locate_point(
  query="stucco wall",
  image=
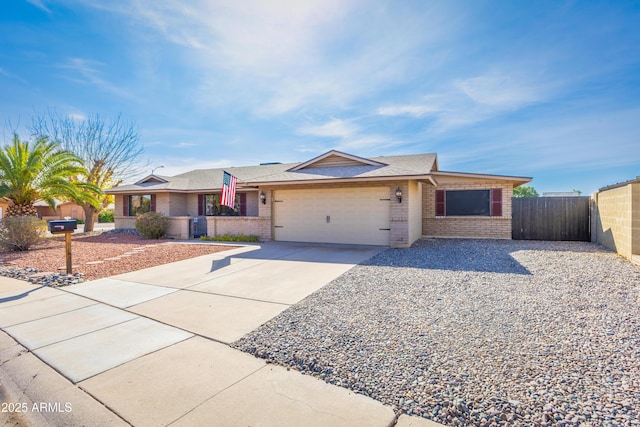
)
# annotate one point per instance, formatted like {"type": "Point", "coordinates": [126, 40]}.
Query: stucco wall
{"type": "Point", "coordinates": [494, 227]}
{"type": "Point", "coordinates": [70, 210]}
{"type": "Point", "coordinates": [616, 220]}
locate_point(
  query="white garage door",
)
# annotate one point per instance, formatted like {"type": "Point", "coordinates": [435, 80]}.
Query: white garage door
{"type": "Point", "coordinates": [338, 215]}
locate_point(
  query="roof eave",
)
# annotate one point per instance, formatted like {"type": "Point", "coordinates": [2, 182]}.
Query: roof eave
{"type": "Point", "coordinates": [420, 177]}
{"type": "Point", "coordinates": [516, 180]}
{"type": "Point", "coordinates": [171, 190]}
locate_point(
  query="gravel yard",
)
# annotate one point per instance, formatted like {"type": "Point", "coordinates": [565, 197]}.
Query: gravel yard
{"type": "Point", "coordinates": [106, 254]}
{"type": "Point", "coordinates": [475, 332]}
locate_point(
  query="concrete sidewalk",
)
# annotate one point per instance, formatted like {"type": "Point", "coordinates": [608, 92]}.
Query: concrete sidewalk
{"type": "Point", "coordinates": [150, 347]}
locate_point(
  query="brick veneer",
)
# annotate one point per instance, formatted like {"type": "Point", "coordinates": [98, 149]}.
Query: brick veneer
{"type": "Point", "coordinates": [413, 218]}
{"type": "Point", "coordinates": [496, 227]}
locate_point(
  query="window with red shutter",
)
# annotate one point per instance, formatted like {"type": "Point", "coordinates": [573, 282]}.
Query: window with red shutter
{"type": "Point", "coordinates": [242, 204]}
{"type": "Point", "coordinates": [496, 202]}
{"type": "Point", "coordinates": [200, 204]}
{"type": "Point", "coordinates": [469, 202]}
{"type": "Point", "coordinates": [440, 203]}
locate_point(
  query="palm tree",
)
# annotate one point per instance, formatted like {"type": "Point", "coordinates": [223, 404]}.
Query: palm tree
{"type": "Point", "coordinates": [41, 171]}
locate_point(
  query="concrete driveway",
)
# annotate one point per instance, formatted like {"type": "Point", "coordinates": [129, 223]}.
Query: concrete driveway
{"type": "Point", "coordinates": [149, 347]}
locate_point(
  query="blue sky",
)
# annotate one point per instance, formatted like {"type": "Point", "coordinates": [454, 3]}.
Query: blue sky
{"type": "Point", "coordinates": [547, 89]}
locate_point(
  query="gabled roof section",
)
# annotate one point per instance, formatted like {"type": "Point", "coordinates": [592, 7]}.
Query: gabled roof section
{"type": "Point", "coordinates": [325, 168]}
{"type": "Point", "coordinates": [335, 158]}
{"type": "Point", "coordinates": [152, 179]}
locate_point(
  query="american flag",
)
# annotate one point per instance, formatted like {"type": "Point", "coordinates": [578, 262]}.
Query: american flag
{"type": "Point", "coordinates": [228, 190]}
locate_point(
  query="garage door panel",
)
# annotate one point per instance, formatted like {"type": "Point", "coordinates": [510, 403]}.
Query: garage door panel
{"type": "Point", "coordinates": [342, 215]}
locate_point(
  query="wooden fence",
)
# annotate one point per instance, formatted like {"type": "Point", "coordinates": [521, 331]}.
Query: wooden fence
{"type": "Point", "coordinates": [551, 218]}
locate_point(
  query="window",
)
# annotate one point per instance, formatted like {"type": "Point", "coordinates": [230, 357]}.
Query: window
{"type": "Point", "coordinates": [139, 204]}
{"type": "Point", "coordinates": [209, 205]}
{"type": "Point", "coordinates": [469, 202]}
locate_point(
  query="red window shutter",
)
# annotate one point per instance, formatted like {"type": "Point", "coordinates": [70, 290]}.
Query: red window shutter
{"type": "Point", "coordinates": [125, 205]}
{"type": "Point", "coordinates": [152, 205]}
{"type": "Point", "coordinates": [440, 203]}
{"type": "Point", "coordinates": [200, 204]}
{"type": "Point", "coordinates": [496, 202]}
{"type": "Point", "coordinates": [243, 204]}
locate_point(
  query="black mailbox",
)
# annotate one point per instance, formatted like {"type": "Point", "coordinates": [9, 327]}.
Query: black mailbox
{"type": "Point", "coordinates": [63, 226]}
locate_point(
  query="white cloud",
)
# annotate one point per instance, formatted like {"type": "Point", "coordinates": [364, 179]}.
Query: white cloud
{"type": "Point", "coordinates": [177, 165]}
{"type": "Point", "coordinates": [88, 71]}
{"type": "Point", "coordinates": [414, 110]}
{"type": "Point", "coordinates": [464, 102]}
{"type": "Point", "coordinates": [335, 128]}
{"type": "Point", "coordinates": [346, 135]}
{"type": "Point", "coordinates": [185, 144]}
{"type": "Point", "coordinates": [40, 5]}
{"type": "Point", "coordinates": [273, 57]}
{"type": "Point", "coordinates": [563, 143]}
{"type": "Point", "coordinates": [500, 90]}
{"type": "Point", "coordinates": [78, 117]}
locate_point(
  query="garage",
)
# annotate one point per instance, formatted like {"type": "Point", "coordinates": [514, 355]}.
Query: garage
{"type": "Point", "coordinates": [332, 215]}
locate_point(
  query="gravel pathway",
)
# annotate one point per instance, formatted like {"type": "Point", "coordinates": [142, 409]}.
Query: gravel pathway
{"type": "Point", "coordinates": [475, 332]}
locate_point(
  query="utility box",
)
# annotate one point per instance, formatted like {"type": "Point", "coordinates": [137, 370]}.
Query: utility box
{"type": "Point", "coordinates": [63, 226]}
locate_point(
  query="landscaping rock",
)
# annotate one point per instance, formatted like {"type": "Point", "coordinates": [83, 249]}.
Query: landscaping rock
{"type": "Point", "coordinates": [475, 332]}
{"type": "Point", "coordinates": [36, 277]}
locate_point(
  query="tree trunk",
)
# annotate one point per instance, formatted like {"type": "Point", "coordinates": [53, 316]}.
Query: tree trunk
{"type": "Point", "coordinates": [90, 215]}
{"type": "Point", "coordinates": [21, 210]}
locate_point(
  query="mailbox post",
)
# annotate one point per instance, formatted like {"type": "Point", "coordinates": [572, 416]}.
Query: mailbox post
{"type": "Point", "coordinates": [65, 227]}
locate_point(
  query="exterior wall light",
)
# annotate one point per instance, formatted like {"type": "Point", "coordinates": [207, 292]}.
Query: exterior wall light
{"type": "Point", "coordinates": [399, 194]}
{"type": "Point", "coordinates": [263, 198]}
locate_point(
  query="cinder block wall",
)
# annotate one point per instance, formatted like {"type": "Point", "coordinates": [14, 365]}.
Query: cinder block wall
{"type": "Point", "coordinates": [466, 226]}
{"type": "Point", "coordinates": [617, 219]}
{"type": "Point", "coordinates": [635, 222]}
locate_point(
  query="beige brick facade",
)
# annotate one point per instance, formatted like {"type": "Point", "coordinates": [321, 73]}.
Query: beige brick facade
{"type": "Point", "coordinates": [362, 184]}
{"type": "Point", "coordinates": [616, 219]}
{"type": "Point", "coordinates": [409, 221]}
{"type": "Point", "coordinates": [495, 227]}
{"type": "Point", "coordinates": [172, 204]}
{"type": "Point", "coordinates": [234, 225]}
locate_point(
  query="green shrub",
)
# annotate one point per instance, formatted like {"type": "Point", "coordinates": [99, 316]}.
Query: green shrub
{"type": "Point", "coordinates": [231, 238]}
{"type": "Point", "coordinates": [79, 221]}
{"type": "Point", "coordinates": [106, 216]}
{"type": "Point", "coordinates": [19, 233]}
{"type": "Point", "coordinates": [152, 225]}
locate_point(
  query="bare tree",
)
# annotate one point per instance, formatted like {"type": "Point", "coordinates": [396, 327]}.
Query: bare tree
{"type": "Point", "coordinates": [109, 147]}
